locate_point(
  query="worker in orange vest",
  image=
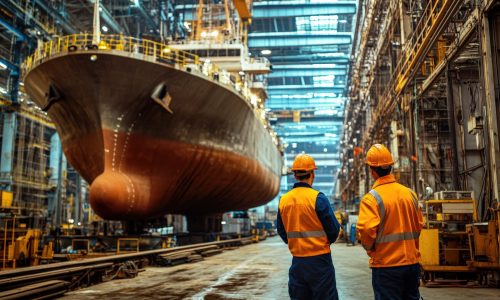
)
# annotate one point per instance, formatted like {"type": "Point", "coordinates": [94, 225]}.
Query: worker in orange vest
{"type": "Point", "coordinates": [307, 224]}
{"type": "Point", "coordinates": [389, 222]}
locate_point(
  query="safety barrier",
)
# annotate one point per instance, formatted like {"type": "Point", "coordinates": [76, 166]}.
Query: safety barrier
{"type": "Point", "coordinates": [70, 43]}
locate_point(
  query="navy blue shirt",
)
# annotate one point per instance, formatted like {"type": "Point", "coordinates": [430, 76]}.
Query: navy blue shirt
{"type": "Point", "coordinates": [325, 215]}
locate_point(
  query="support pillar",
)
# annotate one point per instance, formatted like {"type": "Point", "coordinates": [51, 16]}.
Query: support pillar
{"type": "Point", "coordinates": [8, 140]}
{"type": "Point", "coordinates": [491, 105]}
{"type": "Point", "coordinates": [58, 167]}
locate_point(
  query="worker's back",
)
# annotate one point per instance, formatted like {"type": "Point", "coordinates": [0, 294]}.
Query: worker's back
{"type": "Point", "coordinates": [306, 236]}
{"type": "Point", "coordinates": [400, 224]}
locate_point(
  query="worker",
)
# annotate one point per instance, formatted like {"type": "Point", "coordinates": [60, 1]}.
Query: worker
{"type": "Point", "coordinates": [307, 224]}
{"type": "Point", "coordinates": [389, 222]}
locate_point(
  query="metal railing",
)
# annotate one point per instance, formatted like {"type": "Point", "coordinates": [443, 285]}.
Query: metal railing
{"type": "Point", "coordinates": [430, 22]}
{"type": "Point", "coordinates": [150, 49]}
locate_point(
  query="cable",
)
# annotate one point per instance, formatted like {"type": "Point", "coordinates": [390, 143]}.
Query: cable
{"type": "Point", "coordinates": [128, 268]}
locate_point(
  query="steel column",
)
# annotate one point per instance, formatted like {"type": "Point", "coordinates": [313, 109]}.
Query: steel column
{"type": "Point", "coordinates": [8, 140]}
{"type": "Point", "coordinates": [491, 113]}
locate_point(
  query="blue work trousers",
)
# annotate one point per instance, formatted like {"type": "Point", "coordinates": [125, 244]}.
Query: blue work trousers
{"type": "Point", "coordinates": [396, 283]}
{"type": "Point", "coordinates": [312, 277]}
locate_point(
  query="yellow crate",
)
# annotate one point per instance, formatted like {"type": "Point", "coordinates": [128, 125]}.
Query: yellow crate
{"type": "Point", "coordinates": [6, 198]}
{"type": "Point", "coordinates": [429, 247]}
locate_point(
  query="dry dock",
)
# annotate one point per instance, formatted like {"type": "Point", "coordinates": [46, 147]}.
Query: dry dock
{"type": "Point", "coordinates": [257, 271]}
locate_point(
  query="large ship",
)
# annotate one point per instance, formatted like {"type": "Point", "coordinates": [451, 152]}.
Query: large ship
{"type": "Point", "coordinates": [155, 128]}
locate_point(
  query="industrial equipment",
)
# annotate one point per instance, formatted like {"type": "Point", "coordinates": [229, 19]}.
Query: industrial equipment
{"type": "Point", "coordinates": [484, 249]}
{"type": "Point", "coordinates": [444, 242]}
{"type": "Point", "coordinates": [21, 246]}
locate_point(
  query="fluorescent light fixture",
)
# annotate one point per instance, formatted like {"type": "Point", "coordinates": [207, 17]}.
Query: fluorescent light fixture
{"type": "Point", "coordinates": [3, 66]}
{"type": "Point", "coordinates": [265, 52]}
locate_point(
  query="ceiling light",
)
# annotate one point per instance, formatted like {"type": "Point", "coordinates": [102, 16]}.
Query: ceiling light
{"type": "Point", "coordinates": [265, 52]}
{"type": "Point", "coordinates": [105, 28]}
{"type": "Point", "coordinates": [3, 66]}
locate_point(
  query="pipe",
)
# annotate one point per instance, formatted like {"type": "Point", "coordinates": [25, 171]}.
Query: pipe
{"type": "Point", "coordinates": [452, 123]}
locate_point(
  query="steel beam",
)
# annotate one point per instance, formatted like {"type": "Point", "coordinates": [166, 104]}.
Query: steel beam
{"type": "Point", "coordinates": [8, 141]}
{"type": "Point", "coordinates": [302, 89]}
{"type": "Point", "coordinates": [313, 120]}
{"type": "Point", "coordinates": [302, 106]}
{"type": "Point", "coordinates": [277, 9]}
{"type": "Point", "coordinates": [314, 99]}
{"type": "Point", "coordinates": [491, 106]}
{"type": "Point", "coordinates": [280, 9]}
{"type": "Point", "coordinates": [19, 12]}
{"type": "Point", "coordinates": [58, 166]}
{"type": "Point", "coordinates": [314, 58]}
{"type": "Point", "coordinates": [108, 19]}
{"type": "Point", "coordinates": [460, 41]}
{"type": "Point", "coordinates": [65, 24]}
{"type": "Point", "coordinates": [306, 72]}
{"type": "Point", "coordinates": [307, 139]}
{"type": "Point", "coordinates": [296, 39]}
{"type": "Point", "coordinates": [20, 36]}
{"type": "Point", "coordinates": [11, 66]}
{"type": "Point", "coordinates": [304, 103]}
{"type": "Point", "coordinates": [149, 20]}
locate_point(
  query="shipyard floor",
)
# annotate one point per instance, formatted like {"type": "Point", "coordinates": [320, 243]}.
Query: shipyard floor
{"type": "Point", "coordinates": [256, 271]}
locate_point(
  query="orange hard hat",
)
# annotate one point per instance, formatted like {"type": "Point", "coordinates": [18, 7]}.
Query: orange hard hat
{"type": "Point", "coordinates": [379, 156]}
{"type": "Point", "coordinates": [304, 162]}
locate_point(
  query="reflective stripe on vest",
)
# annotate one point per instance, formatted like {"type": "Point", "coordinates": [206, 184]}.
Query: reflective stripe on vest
{"type": "Point", "coordinates": [393, 237]}
{"type": "Point", "coordinates": [402, 236]}
{"type": "Point", "coordinates": [305, 234]}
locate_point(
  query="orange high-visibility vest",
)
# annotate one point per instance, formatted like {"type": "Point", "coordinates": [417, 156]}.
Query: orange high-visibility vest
{"type": "Point", "coordinates": [306, 235]}
{"type": "Point", "coordinates": [389, 222]}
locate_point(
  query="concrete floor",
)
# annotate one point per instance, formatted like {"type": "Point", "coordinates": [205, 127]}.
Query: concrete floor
{"type": "Point", "coordinates": [257, 271]}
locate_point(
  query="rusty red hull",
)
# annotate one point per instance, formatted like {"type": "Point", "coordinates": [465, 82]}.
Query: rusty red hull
{"type": "Point", "coordinates": [210, 154]}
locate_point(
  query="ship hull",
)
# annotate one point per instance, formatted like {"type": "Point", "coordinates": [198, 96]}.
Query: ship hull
{"type": "Point", "coordinates": [203, 152]}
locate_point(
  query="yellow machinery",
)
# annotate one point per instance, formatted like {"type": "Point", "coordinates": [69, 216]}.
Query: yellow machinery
{"type": "Point", "coordinates": [444, 241]}
{"type": "Point", "coordinates": [20, 245]}
{"type": "Point", "coordinates": [484, 249]}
